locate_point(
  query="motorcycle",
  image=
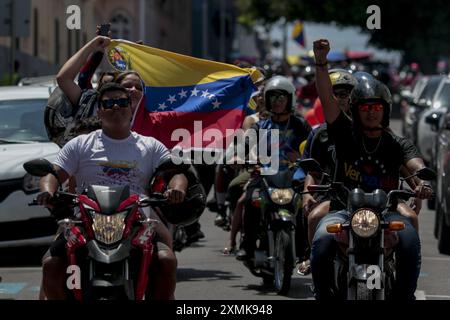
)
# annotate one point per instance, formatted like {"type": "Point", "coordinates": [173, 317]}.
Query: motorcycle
{"type": "Point", "coordinates": [110, 240]}
{"type": "Point", "coordinates": [274, 210]}
{"type": "Point", "coordinates": [364, 266]}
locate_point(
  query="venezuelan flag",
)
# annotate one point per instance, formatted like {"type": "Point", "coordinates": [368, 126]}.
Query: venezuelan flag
{"type": "Point", "coordinates": [180, 90]}
{"type": "Point", "coordinates": [298, 34]}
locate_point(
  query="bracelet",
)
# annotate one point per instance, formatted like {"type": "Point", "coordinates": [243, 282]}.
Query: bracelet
{"type": "Point", "coordinates": [321, 64]}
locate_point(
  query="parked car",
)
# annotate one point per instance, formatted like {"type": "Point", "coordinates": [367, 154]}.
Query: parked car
{"type": "Point", "coordinates": [418, 105]}
{"type": "Point", "coordinates": [23, 137]}
{"type": "Point", "coordinates": [408, 95]}
{"type": "Point", "coordinates": [442, 222]}
{"type": "Point", "coordinates": [425, 133]}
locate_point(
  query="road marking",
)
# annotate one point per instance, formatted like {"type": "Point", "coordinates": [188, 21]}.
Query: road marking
{"type": "Point", "coordinates": [21, 269]}
{"type": "Point", "coordinates": [438, 296]}
{"type": "Point", "coordinates": [420, 295]}
{"type": "Point", "coordinates": [12, 287]}
{"type": "Point", "coordinates": [436, 259]}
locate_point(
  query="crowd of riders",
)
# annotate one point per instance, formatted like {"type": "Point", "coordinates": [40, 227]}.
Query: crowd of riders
{"type": "Point", "coordinates": [335, 114]}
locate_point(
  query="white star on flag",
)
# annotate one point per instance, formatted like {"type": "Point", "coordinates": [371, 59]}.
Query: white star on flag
{"type": "Point", "coordinates": [211, 96]}
{"type": "Point", "coordinates": [205, 94]}
{"type": "Point", "coordinates": [216, 104]}
{"type": "Point", "coordinates": [162, 106]}
{"type": "Point", "coordinates": [183, 94]}
{"type": "Point", "coordinates": [171, 99]}
{"type": "Point", "coordinates": [195, 92]}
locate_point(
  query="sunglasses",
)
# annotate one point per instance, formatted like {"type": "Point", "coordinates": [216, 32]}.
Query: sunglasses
{"type": "Point", "coordinates": [374, 107]}
{"type": "Point", "coordinates": [278, 98]}
{"type": "Point", "coordinates": [110, 103]}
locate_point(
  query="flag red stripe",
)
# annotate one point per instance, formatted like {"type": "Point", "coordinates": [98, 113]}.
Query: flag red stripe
{"type": "Point", "coordinates": [161, 125]}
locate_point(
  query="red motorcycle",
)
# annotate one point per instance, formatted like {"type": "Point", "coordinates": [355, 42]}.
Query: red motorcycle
{"type": "Point", "coordinates": [109, 239]}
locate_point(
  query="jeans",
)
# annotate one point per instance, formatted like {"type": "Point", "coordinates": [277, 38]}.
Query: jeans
{"type": "Point", "coordinates": [408, 257]}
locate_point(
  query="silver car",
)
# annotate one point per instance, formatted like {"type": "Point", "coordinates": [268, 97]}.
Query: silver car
{"type": "Point", "coordinates": [23, 137]}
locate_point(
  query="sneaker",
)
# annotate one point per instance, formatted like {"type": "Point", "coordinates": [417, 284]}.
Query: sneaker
{"type": "Point", "coordinates": [219, 220]}
{"type": "Point", "coordinates": [195, 236]}
{"type": "Point", "coordinates": [241, 255]}
{"type": "Point", "coordinates": [304, 268]}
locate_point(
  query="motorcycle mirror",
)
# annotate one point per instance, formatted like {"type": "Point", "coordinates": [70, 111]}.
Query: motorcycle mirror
{"type": "Point", "coordinates": [426, 174]}
{"type": "Point", "coordinates": [310, 164]}
{"type": "Point", "coordinates": [39, 167]}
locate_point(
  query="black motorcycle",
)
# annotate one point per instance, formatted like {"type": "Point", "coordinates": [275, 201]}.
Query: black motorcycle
{"type": "Point", "coordinates": [273, 209]}
{"type": "Point", "coordinates": [365, 262]}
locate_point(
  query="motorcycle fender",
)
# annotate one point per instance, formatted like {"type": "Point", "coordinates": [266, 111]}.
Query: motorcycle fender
{"type": "Point", "coordinates": [109, 256]}
{"type": "Point", "coordinates": [359, 272]}
{"type": "Point", "coordinates": [285, 215]}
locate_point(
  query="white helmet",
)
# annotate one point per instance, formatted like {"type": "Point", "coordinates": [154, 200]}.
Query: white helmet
{"type": "Point", "coordinates": [280, 83]}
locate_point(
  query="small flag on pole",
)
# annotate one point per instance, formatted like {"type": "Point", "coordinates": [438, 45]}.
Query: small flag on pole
{"type": "Point", "coordinates": [298, 34]}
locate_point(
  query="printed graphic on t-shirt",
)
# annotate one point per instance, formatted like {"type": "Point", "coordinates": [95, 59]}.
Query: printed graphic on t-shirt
{"type": "Point", "coordinates": [122, 172]}
{"type": "Point", "coordinates": [370, 172]}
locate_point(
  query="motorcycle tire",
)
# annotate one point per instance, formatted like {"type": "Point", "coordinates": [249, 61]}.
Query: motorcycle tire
{"type": "Point", "coordinates": [283, 262]}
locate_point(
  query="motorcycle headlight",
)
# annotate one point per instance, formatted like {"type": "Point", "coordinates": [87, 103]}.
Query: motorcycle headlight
{"type": "Point", "coordinates": [282, 196]}
{"type": "Point", "coordinates": [108, 229]}
{"type": "Point", "coordinates": [365, 223]}
{"type": "Point", "coordinates": [30, 183]}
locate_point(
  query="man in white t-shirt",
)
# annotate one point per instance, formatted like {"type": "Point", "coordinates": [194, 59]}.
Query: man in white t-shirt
{"type": "Point", "coordinates": [112, 156]}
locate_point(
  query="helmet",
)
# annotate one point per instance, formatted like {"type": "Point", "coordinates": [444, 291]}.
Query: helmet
{"type": "Point", "coordinates": [369, 89]}
{"type": "Point", "coordinates": [342, 78]}
{"type": "Point", "coordinates": [280, 83]}
{"type": "Point", "coordinates": [190, 210]}
{"type": "Point", "coordinates": [361, 75]}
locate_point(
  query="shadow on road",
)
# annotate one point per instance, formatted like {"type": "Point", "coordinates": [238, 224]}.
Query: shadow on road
{"type": "Point", "coordinates": [22, 257]}
{"type": "Point", "coordinates": [189, 274]}
{"type": "Point", "coordinates": [300, 289]}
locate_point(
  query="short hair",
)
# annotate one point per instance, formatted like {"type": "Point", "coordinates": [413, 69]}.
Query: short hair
{"type": "Point", "coordinates": [123, 75]}
{"type": "Point", "coordinates": [111, 86]}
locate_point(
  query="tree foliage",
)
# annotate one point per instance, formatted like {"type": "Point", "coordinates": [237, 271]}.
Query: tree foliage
{"type": "Point", "coordinates": [418, 29]}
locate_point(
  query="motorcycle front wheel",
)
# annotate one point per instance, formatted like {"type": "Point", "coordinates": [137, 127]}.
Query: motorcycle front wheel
{"type": "Point", "coordinates": [284, 263]}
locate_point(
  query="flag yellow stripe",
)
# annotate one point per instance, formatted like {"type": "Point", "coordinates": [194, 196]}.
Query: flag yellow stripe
{"type": "Point", "coordinates": [163, 68]}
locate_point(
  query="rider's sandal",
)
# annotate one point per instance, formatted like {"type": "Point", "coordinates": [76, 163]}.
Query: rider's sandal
{"type": "Point", "coordinates": [304, 268]}
{"type": "Point", "coordinates": [228, 251]}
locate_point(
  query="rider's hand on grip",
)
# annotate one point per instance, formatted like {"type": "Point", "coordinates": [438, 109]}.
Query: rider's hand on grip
{"type": "Point", "coordinates": [175, 195]}
{"type": "Point", "coordinates": [45, 199]}
{"type": "Point", "coordinates": [424, 191]}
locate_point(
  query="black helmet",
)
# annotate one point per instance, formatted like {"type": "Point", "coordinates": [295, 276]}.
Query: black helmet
{"type": "Point", "coordinates": [369, 89]}
{"type": "Point", "coordinates": [190, 210]}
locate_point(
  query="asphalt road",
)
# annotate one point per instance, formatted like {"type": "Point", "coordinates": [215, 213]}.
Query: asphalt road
{"type": "Point", "coordinates": [205, 274]}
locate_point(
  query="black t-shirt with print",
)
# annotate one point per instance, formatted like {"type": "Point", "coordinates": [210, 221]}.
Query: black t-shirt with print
{"type": "Point", "coordinates": [368, 163]}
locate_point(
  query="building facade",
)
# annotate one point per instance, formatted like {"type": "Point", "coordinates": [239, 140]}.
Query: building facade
{"type": "Point", "coordinates": [165, 24]}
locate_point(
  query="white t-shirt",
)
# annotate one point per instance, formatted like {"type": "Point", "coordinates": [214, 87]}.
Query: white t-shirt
{"type": "Point", "coordinates": [96, 159]}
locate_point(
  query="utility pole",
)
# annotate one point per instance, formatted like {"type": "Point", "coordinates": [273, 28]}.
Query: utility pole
{"type": "Point", "coordinates": [284, 40]}
{"type": "Point", "coordinates": [13, 42]}
{"type": "Point", "coordinates": [222, 30]}
{"type": "Point", "coordinates": [205, 29]}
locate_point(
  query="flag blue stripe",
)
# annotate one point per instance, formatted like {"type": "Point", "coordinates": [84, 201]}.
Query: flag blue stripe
{"type": "Point", "coordinates": [231, 93]}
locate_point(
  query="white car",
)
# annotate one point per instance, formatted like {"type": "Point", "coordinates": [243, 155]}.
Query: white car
{"type": "Point", "coordinates": [426, 137]}
{"type": "Point", "coordinates": [22, 138]}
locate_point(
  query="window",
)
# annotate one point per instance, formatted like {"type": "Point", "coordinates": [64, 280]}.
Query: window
{"type": "Point", "coordinates": [57, 42]}
{"type": "Point", "coordinates": [36, 32]}
{"type": "Point", "coordinates": [121, 26]}
{"type": "Point", "coordinates": [69, 44]}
